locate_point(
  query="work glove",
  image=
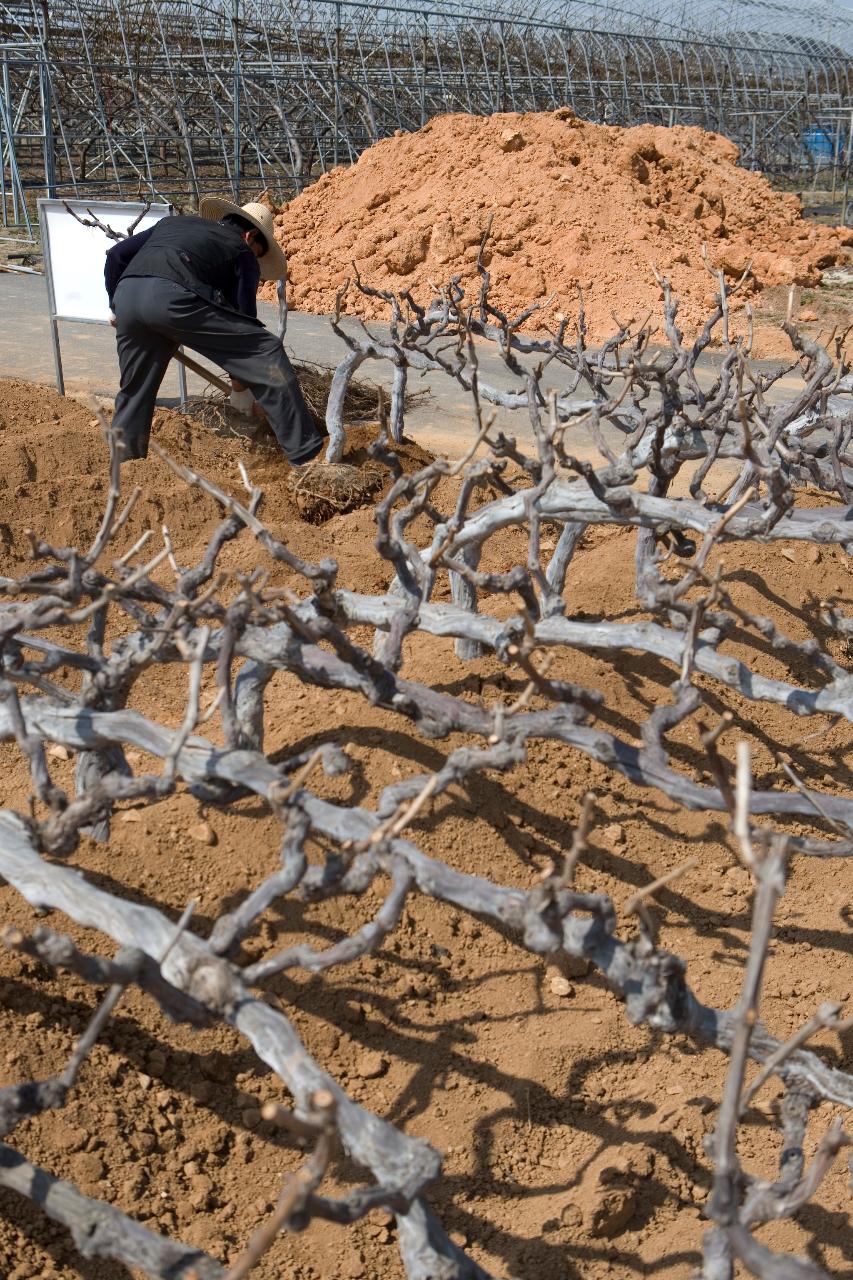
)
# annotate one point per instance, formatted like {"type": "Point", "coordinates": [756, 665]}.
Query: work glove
{"type": "Point", "coordinates": [242, 401]}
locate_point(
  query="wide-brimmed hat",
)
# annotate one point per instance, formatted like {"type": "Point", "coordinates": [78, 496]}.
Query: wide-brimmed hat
{"type": "Point", "coordinates": [273, 264]}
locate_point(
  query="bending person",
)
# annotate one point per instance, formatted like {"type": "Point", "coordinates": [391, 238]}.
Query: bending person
{"type": "Point", "coordinates": [192, 282]}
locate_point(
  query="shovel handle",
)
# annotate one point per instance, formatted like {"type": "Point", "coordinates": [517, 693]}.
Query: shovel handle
{"type": "Point", "coordinates": [203, 373]}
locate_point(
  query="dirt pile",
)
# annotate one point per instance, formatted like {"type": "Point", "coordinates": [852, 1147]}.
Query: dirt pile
{"type": "Point", "coordinates": [572, 1141]}
{"type": "Point", "coordinates": [56, 469]}
{"type": "Point", "coordinates": [575, 205]}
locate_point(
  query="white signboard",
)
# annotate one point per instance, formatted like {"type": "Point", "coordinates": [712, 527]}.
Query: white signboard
{"type": "Point", "coordinates": [76, 253]}
{"type": "Point", "coordinates": [74, 258]}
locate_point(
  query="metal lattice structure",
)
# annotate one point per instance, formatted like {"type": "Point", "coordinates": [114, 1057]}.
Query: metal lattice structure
{"type": "Point", "coordinates": [175, 99]}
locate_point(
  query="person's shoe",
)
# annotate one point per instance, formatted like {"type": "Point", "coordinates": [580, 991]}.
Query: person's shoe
{"type": "Point", "coordinates": [303, 462]}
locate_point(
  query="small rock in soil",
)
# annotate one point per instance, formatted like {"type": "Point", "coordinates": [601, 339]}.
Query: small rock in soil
{"type": "Point", "coordinates": [87, 1167]}
{"type": "Point", "coordinates": [201, 1191]}
{"type": "Point", "coordinates": [202, 833]}
{"type": "Point", "coordinates": [613, 835]}
{"type": "Point", "coordinates": [143, 1143]}
{"type": "Point", "coordinates": [511, 140]}
{"type": "Point", "coordinates": [570, 1215]}
{"type": "Point", "coordinates": [371, 1065]}
{"type": "Point", "coordinates": [68, 1138]}
{"type": "Point", "coordinates": [561, 987]}
{"type": "Point", "coordinates": [612, 1211]}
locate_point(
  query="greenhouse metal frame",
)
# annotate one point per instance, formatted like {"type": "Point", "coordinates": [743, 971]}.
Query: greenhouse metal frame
{"type": "Point", "coordinates": [171, 100]}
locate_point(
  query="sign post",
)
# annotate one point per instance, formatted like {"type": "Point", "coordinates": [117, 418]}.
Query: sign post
{"type": "Point", "coordinates": [74, 262]}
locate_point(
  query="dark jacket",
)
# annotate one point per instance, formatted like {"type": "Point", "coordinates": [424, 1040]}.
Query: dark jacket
{"type": "Point", "coordinates": [205, 257]}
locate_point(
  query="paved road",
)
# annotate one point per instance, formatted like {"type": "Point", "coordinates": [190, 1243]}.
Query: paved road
{"type": "Point", "coordinates": [442, 420]}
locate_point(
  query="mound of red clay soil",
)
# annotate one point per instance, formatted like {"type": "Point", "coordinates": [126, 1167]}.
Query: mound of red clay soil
{"type": "Point", "coordinates": [575, 206]}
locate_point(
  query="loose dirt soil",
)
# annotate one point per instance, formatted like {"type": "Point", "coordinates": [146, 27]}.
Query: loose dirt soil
{"type": "Point", "coordinates": [572, 1141]}
{"type": "Point", "coordinates": [575, 206]}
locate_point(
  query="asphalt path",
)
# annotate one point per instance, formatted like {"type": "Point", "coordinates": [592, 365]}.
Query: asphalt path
{"type": "Point", "coordinates": [442, 420]}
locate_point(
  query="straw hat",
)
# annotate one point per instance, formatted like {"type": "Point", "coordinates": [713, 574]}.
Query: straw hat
{"type": "Point", "coordinates": [273, 264]}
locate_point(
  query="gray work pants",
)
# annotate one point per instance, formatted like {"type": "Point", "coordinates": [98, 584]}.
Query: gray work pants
{"type": "Point", "coordinates": [154, 317]}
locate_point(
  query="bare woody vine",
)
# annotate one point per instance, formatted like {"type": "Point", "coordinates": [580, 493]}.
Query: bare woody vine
{"type": "Point", "coordinates": [671, 422]}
